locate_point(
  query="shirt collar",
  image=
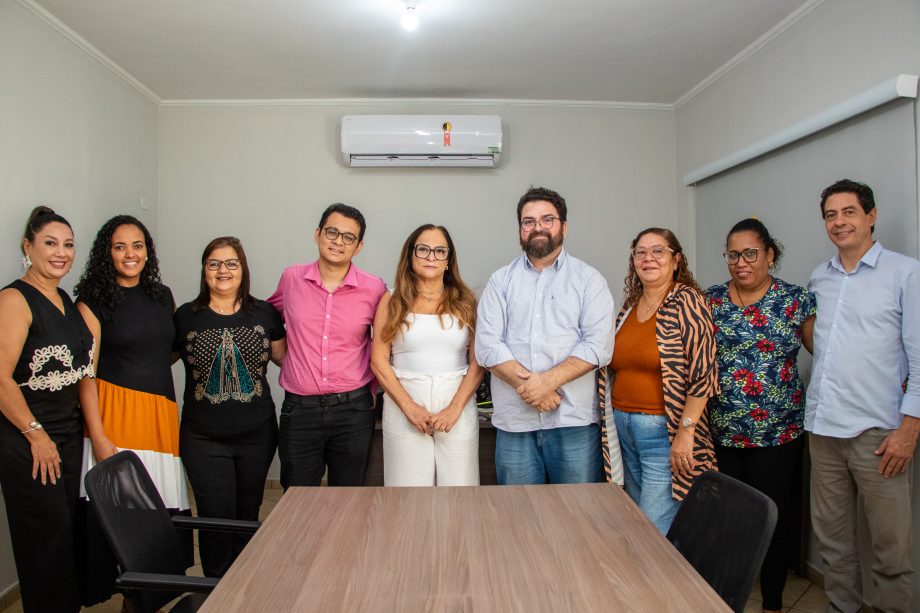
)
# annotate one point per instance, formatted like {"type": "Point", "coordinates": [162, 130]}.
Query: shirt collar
{"type": "Point", "coordinates": [312, 274]}
{"type": "Point", "coordinates": [869, 258]}
{"type": "Point", "coordinates": [556, 265]}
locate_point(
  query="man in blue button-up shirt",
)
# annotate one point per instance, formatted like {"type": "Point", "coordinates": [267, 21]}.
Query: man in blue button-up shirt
{"type": "Point", "coordinates": [545, 324]}
{"type": "Point", "coordinates": [863, 425]}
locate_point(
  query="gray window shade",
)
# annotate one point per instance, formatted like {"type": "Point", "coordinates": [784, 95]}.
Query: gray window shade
{"type": "Point", "coordinates": [782, 189]}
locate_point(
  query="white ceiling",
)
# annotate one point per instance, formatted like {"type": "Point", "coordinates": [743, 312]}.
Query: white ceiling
{"type": "Point", "coordinates": [644, 51]}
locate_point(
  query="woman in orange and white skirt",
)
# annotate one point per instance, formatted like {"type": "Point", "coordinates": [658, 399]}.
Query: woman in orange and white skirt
{"type": "Point", "coordinates": [130, 313]}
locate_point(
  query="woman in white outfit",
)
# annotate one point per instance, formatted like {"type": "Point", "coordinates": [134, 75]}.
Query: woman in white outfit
{"type": "Point", "coordinates": [423, 357]}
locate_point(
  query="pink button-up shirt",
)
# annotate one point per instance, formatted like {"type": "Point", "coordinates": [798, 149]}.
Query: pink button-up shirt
{"type": "Point", "coordinates": [328, 333]}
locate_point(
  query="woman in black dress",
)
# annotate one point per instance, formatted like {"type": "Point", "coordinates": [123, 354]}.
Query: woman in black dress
{"type": "Point", "coordinates": [46, 370]}
{"type": "Point", "coordinates": [228, 433]}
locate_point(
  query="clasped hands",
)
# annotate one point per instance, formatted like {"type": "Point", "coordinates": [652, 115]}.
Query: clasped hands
{"type": "Point", "coordinates": [429, 423]}
{"type": "Point", "coordinates": [538, 390]}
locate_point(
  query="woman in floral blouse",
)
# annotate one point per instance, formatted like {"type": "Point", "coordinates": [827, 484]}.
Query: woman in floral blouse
{"type": "Point", "coordinates": [757, 417]}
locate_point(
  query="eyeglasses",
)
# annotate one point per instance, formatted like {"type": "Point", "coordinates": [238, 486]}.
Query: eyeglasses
{"type": "Point", "coordinates": [232, 264]}
{"type": "Point", "coordinates": [423, 251]}
{"type": "Point", "coordinates": [333, 233]}
{"type": "Point", "coordinates": [658, 252]}
{"type": "Point", "coordinates": [546, 222]}
{"type": "Point", "coordinates": [749, 255]}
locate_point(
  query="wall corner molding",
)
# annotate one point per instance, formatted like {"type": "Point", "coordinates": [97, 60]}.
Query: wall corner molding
{"type": "Point", "coordinates": [84, 45]}
{"type": "Point", "coordinates": [742, 56]}
{"type": "Point", "coordinates": [472, 102]}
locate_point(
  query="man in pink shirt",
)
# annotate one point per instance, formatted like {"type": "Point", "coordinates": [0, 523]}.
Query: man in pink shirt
{"type": "Point", "coordinates": [328, 307]}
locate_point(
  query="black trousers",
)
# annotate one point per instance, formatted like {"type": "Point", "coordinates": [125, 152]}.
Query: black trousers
{"type": "Point", "coordinates": [228, 479]}
{"type": "Point", "coordinates": [313, 437]}
{"type": "Point", "coordinates": [42, 520]}
{"type": "Point", "coordinates": [775, 471]}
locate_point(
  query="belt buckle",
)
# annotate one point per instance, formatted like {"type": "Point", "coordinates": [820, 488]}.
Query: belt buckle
{"type": "Point", "coordinates": [330, 399]}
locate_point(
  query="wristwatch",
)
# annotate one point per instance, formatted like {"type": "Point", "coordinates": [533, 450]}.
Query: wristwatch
{"type": "Point", "coordinates": [687, 423]}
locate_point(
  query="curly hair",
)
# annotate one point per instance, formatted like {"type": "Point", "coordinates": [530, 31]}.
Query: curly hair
{"type": "Point", "coordinates": [632, 289]}
{"type": "Point", "coordinates": [459, 300]}
{"type": "Point", "coordinates": [98, 284]}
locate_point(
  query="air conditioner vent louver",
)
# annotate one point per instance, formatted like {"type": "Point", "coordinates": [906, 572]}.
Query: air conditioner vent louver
{"type": "Point", "coordinates": [390, 141]}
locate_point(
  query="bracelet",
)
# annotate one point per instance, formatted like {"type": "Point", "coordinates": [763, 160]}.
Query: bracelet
{"type": "Point", "coordinates": [33, 425]}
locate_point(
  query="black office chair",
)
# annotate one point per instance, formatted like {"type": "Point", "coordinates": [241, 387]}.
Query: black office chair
{"type": "Point", "coordinates": [723, 528]}
{"type": "Point", "coordinates": [143, 535]}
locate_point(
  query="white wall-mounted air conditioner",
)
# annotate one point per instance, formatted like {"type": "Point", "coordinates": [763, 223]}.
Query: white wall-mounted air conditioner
{"type": "Point", "coordinates": [421, 140]}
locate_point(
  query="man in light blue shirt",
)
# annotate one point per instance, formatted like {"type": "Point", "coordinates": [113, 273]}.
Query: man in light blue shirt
{"type": "Point", "coordinates": [863, 425]}
{"type": "Point", "coordinates": [545, 324]}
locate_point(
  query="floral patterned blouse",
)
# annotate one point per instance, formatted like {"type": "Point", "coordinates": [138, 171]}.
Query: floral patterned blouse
{"type": "Point", "coordinates": [761, 402]}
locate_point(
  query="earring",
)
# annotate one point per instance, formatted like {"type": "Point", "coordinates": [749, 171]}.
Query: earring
{"type": "Point", "coordinates": [26, 262]}
{"type": "Point", "coordinates": [146, 258]}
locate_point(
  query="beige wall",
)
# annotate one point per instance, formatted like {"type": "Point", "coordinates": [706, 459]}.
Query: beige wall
{"type": "Point", "coordinates": [265, 173]}
{"type": "Point", "coordinates": [73, 136]}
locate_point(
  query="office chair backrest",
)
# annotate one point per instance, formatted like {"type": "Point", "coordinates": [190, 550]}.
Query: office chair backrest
{"type": "Point", "coordinates": [723, 528]}
{"type": "Point", "coordinates": [136, 522]}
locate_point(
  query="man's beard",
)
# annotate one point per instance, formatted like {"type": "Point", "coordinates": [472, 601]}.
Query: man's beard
{"type": "Point", "coordinates": [541, 249]}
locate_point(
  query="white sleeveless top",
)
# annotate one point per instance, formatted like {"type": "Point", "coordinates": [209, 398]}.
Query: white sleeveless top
{"type": "Point", "coordinates": [426, 347]}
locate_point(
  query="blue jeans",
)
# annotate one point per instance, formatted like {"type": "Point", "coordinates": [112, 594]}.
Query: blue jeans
{"type": "Point", "coordinates": [558, 455]}
{"type": "Point", "coordinates": [646, 453]}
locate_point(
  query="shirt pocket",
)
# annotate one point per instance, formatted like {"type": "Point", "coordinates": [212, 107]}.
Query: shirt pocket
{"type": "Point", "coordinates": [564, 309]}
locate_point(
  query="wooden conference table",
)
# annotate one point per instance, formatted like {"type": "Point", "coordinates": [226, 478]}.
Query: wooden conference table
{"type": "Point", "coordinates": [491, 548]}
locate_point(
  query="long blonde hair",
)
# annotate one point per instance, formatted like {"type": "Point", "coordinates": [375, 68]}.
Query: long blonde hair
{"type": "Point", "coordinates": [458, 300]}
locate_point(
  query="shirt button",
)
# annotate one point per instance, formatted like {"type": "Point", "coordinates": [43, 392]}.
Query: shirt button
{"type": "Point", "coordinates": [325, 337]}
{"type": "Point", "coordinates": [327, 316]}
{"type": "Point", "coordinates": [324, 357]}
{"type": "Point", "coordinates": [324, 378]}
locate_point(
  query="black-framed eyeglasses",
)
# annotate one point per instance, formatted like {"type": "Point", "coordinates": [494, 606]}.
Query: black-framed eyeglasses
{"type": "Point", "coordinates": [231, 264]}
{"type": "Point", "coordinates": [749, 255]}
{"type": "Point", "coordinates": [657, 252]}
{"type": "Point", "coordinates": [422, 252]}
{"type": "Point", "coordinates": [333, 233]}
{"type": "Point", "coordinates": [546, 222]}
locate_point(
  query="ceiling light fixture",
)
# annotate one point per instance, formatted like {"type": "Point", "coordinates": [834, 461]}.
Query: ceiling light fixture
{"type": "Point", "coordinates": [409, 21]}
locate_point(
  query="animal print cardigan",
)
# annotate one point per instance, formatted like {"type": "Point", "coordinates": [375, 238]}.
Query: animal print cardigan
{"type": "Point", "coordinates": [687, 349]}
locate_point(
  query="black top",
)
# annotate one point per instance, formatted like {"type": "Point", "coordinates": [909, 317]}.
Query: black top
{"type": "Point", "coordinates": [58, 352]}
{"type": "Point", "coordinates": [226, 358]}
{"type": "Point", "coordinates": [137, 338]}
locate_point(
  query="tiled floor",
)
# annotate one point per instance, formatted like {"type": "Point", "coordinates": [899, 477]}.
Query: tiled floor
{"type": "Point", "coordinates": [800, 596]}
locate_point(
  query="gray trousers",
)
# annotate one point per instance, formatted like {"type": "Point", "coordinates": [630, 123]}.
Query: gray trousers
{"type": "Point", "coordinates": [841, 469]}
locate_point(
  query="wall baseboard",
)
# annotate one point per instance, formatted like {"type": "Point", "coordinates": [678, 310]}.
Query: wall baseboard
{"type": "Point", "coordinates": [814, 575]}
{"type": "Point", "coordinates": [9, 597]}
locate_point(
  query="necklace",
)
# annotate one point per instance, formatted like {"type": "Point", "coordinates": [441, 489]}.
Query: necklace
{"type": "Point", "coordinates": [431, 295]}
{"type": "Point", "coordinates": [648, 309]}
{"type": "Point", "coordinates": [232, 308]}
{"type": "Point", "coordinates": [758, 293]}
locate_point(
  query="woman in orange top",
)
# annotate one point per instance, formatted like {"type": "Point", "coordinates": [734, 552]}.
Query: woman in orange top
{"type": "Point", "coordinates": [664, 371]}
